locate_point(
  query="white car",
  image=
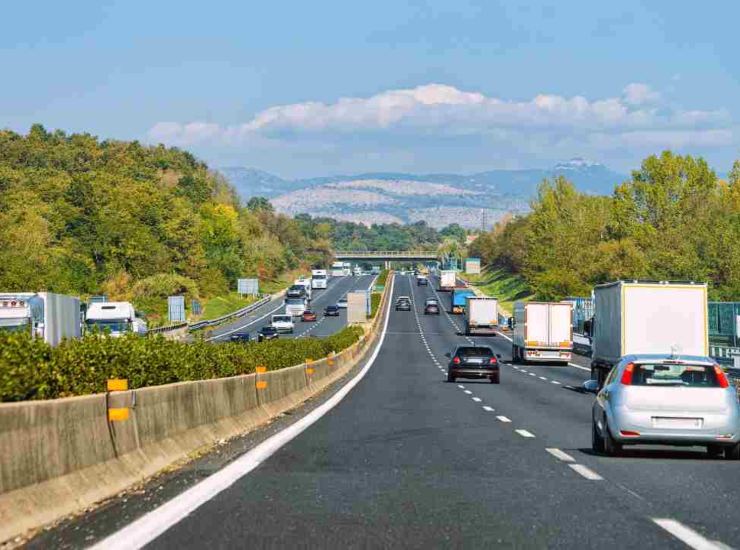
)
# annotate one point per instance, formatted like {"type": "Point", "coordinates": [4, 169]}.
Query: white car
{"type": "Point", "coordinates": [342, 303]}
{"type": "Point", "coordinates": [283, 323]}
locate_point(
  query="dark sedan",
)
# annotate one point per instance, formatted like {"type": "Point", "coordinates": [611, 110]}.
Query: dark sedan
{"type": "Point", "coordinates": [473, 362]}
{"type": "Point", "coordinates": [239, 337]}
{"type": "Point", "coordinates": [403, 304]}
{"type": "Point", "coordinates": [267, 333]}
{"type": "Point", "coordinates": [331, 311]}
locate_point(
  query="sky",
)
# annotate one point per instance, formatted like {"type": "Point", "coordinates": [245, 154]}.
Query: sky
{"type": "Point", "coordinates": [305, 89]}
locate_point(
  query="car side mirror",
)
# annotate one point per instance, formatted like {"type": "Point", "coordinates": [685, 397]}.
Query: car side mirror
{"type": "Point", "coordinates": [498, 356]}
{"type": "Point", "coordinates": [591, 386]}
{"type": "Point", "coordinates": [448, 355]}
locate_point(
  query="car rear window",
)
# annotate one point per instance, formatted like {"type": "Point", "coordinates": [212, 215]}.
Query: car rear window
{"type": "Point", "coordinates": [474, 352]}
{"type": "Point", "coordinates": [282, 318]}
{"type": "Point", "coordinates": [661, 374]}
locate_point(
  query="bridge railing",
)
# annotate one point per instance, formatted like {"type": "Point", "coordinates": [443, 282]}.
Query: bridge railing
{"type": "Point", "coordinates": [385, 253]}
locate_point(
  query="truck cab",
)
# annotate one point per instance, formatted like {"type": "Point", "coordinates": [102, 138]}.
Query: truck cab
{"type": "Point", "coordinates": [113, 318]}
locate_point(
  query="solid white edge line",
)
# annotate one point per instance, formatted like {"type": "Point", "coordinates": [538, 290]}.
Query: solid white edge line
{"type": "Point", "coordinates": [686, 535]}
{"type": "Point", "coordinates": [524, 433]}
{"type": "Point", "coordinates": [152, 524]}
{"type": "Point", "coordinates": [588, 473]}
{"type": "Point", "coordinates": [560, 455]}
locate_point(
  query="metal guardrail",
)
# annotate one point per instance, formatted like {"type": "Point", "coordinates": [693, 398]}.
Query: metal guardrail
{"type": "Point", "coordinates": [168, 328]}
{"type": "Point", "coordinates": [233, 315]}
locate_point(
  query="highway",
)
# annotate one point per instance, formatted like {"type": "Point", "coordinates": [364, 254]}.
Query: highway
{"type": "Point", "coordinates": [324, 326]}
{"type": "Point", "coordinates": [409, 460]}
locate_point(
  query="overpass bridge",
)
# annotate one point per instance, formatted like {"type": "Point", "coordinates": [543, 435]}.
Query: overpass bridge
{"type": "Point", "coordinates": [386, 256]}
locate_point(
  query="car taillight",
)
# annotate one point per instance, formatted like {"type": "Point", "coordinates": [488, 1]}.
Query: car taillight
{"type": "Point", "coordinates": [721, 377]}
{"type": "Point", "coordinates": [456, 360]}
{"type": "Point", "coordinates": [493, 361]}
{"type": "Point", "coordinates": [627, 374]}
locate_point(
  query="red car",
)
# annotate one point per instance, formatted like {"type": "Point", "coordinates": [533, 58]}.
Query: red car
{"type": "Point", "coordinates": [308, 315]}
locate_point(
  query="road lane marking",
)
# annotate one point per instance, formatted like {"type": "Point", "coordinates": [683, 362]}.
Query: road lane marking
{"type": "Point", "coordinates": [531, 374]}
{"type": "Point", "coordinates": [503, 419]}
{"type": "Point", "coordinates": [588, 473]}
{"type": "Point", "coordinates": [487, 408]}
{"type": "Point", "coordinates": [543, 378]}
{"type": "Point", "coordinates": [560, 455]}
{"type": "Point", "coordinates": [468, 392]}
{"type": "Point", "coordinates": [578, 367]}
{"type": "Point", "coordinates": [524, 433]}
{"type": "Point", "coordinates": [686, 535]}
{"type": "Point", "coordinates": [477, 399]}
{"type": "Point", "coordinates": [151, 525]}
{"type": "Point", "coordinates": [555, 382]}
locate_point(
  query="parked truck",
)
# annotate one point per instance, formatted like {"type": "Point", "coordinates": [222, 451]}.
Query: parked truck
{"type": "Point", "coordinates": [481, 315]}
{"type": "Point", "coordinates": [459, 299]}
{"type": "Point", "coordinates": [51, 317]}
{"type": "Point", "coordinates": [447, 280]}
{"type": "Point", "coordinates": [114, 319]}
{"type": "Point", "coordinates": [542, 332]}
{"type": "Point", "coordinates": [647, 317]}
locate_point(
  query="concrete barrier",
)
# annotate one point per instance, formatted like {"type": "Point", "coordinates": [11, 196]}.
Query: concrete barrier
{"type": "Point", "coordinates": [63, 455]}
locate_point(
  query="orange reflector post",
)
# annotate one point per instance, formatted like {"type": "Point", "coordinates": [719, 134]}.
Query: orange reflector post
{"type": "Point", "coordinates": [261, 384]}
{"type": "Point", "coordinates": [309, 370]}
{"type": "Point", "coordinates": [260, 370]}
{"type": "Point", "coordinates": [117, 384]}
{"type": "Point", "coordinates": [118, 415]}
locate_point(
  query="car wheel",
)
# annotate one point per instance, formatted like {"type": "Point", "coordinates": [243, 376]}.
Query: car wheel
{"type": "Point", "coordinates": [611, 447]}
{"type": "Point", "coordinates": [733, 453]}
{"type": "Point", "coordinates": [496, 379]}
{"type": "Point", "coordinates": [715, 450]}
{"type": "Point", "coordinates": [597, 442]}
{"type": "Point", "coordinates": [450, 378]}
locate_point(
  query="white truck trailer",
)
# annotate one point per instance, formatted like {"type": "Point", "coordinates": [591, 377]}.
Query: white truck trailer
{"type": "Point", "coordinates": [481, 315]}
{"type": "Point", "coordinates": [114, 319]}
{"type": "Point", "coordinates": [306, 284]}
{"type": "Point", "coordinates": [647, 317]}
{"type": "Point", "coordinates": [447, 280]}
{"type": "Point", "coordinates": [318, 279]}
{"type": "Point", "coordinates": [542, 332]}
{"type": "Point", "coordinates": [51, 317]}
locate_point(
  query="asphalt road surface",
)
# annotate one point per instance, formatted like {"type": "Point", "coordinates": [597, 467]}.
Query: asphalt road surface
{"type": "Point", "coordinates": [409, 460]}
{"type": "Point", "coordinates": [336, 288]}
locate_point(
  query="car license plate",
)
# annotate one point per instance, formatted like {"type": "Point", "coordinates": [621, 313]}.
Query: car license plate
{"type": "Point", "coordinates": [475, 361]}
{"type": "Point", "coordinates": [678, 423]}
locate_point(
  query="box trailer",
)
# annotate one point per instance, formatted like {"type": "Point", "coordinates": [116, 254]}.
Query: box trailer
{"type": "Point", "coordinates": [51, 317]}
{"type": "Point", "coordinates": [542, 332]}
{"type": "Point", "coordinates": [447, 280]}
{"type": "Point", "coordinates": [481, 315]}
{"type": "Point", "coordinates": [647, 317]}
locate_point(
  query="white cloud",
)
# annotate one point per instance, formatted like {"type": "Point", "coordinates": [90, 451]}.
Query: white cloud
{"type": "Point", "coordinates": [636, 117]}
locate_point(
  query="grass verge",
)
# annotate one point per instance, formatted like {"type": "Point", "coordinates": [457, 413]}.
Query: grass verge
{"type": "Point", "coordinates": [506, 287]}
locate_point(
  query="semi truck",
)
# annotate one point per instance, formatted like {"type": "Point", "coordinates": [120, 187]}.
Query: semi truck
{"type": "Point", "coordinates": [318, 279]}
{"type": "Point", "coordinates": [295, 306]}
{"type": "Point", "coordinates": [542, 332]}
{"type": "Point", "coordinates": [647, 317]}
{"type": "Point", "coordinates": [51, 317]}
{"type": "Point", "coordinates": [481, 315]}
{"type": "Point", "coordinates": [459, 299]}
{"type": "Point", "coordinates": [447, 280]}
{"type": "Point", "coordinates": [114, 319]}
{"type": "Point", "coordinates": [337, 269]}
{"type": "Point", "coordinates": [306, 284]}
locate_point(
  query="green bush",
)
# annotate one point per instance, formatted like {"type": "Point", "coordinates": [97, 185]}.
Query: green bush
{"type": "Point", "coordinates": [31, 369]}
{"type": "Point", "coordinates": [382, 278]}
{"type": "Point", "coordinates": [374, 303]}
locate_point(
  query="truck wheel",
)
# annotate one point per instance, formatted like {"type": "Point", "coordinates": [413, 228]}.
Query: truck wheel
{"type": "Point", "coordinates": [733, 453]}
{"type": "Point", "coordinates": [597, 442]}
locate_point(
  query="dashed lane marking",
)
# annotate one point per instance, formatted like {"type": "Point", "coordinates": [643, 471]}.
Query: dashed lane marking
{"type": "Point", "coordinates": [687, 535]}
{"type": "Point", "coordinates": [503, 419]}
{"type": "Point", "coordinates": [555, 382]}
{"type": "Point", "coordinates": [543, 378]}
{"type": "Point", "coordinates": [487, 408]}
{"type": "Point", "coordinates": [586, 472]}
{"type": "Point", "coordinates": [477, 399]}
{"type": "Point", "coordinates": [524, 433]}
{"type": "Point", "coordinates": [579, 367]}
{"type": "Point", "coordinates": [468, 392]}
{"type": "Point", "coordinates": [560, 455]}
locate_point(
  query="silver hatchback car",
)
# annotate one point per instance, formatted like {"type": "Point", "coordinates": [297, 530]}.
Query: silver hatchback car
{"type": "Point", "coordinates": [667, 400]}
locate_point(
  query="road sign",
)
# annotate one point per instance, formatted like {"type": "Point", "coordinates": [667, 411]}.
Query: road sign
{"type": "Point", "coordinates": [195, 307]}
{"type": "Point", "coordinates": [176, 309]}
{"type": "Point", "coordinates": [247, 286]}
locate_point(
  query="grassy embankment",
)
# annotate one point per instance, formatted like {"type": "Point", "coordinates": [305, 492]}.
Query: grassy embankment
{"type": "Point", "coordinates": [505, 286]}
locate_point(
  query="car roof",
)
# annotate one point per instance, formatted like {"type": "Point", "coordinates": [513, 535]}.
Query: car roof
{"type": "Point", "coordinates": [473, 346]}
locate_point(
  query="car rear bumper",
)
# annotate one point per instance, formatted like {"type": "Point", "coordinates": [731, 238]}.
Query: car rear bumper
{"type": "Point", "coordinates": [715, 428]}
{"type": "Point", "coordinates": [547, 355]}
{"type": "Point", "coordinates": [472, 372]}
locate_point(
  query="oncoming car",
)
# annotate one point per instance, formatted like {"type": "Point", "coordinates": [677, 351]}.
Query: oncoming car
{"type": "Point", "coordinates": [331, 311]}
{"type": "Point", "coordinates": [283, 323]}
{"type": "Point", "coordinates": [667, 400]}
{"type": "Point", "coordinates": [268, 332]}
{"type": "Point", "coordinates": [342, 303]}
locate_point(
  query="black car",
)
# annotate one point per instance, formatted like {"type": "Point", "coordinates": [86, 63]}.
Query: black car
{"type": "Point", "coordinates": [473, 362]}
{"type": "Point", "coordinates": [403, 304]}
{"type": "Point", "coordinates": [239, 337]}
{"type": "Point", "coordinates": [331, 311]}
{"type": "Point", "coordinates": [422, 281]}
{"type": "Point", "coordinates": [431, 307]}
{"type": "Point", "coordinates": [267, 332]}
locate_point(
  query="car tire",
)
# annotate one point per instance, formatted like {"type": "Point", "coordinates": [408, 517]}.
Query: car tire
{"type": "Point", "coordinates": [715, 450]}
{"type": "Point", "coordinates": [450, 378]}
{"type": "Point", "coordinates": [733, 452]}
{"type": "Point", "coordinates": [611, 447]}
{"type": "Point", "coordinates": [597, 442]}
{"type": "Point", "coordinates": [496, 379]}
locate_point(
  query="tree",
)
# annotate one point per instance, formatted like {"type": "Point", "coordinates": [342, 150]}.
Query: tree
{"type": "Point", "coordinates": [256, 204]}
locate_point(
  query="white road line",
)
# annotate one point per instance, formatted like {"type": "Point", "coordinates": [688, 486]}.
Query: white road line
{"type": "Point", "coordinates": [531, 374]}
{"type": "Point", "coordinates": [578, 367]}
{"type": "Point", "coordinates": [543, 378]}
{"type": "Point", "coordinates": [504, 335]}
{"type": "Point", "coordinates": [503, 419]}
{"type": "Point", "coordinates": [560, 455]}
{"type": "Point", "coordinates": [468, 392]}
{"type": "Point", "coordinates": [555, 382]}
{"type": "Point", "coordinates": [524, 433]}
{"type": "Point", "coordinates": [152, 524]}
{"type": "Point", "coordinates": [588, 473]}
{"type": "Point", "coordinates": [686, 535]}
{"type": "Point", "coordinates": [477, 399]}
{"type": "Point", "coordinates": [487, 408]}
{"type": "Point", "coordinates": [461, 386]}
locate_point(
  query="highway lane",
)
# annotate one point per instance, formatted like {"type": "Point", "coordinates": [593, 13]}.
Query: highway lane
{"type": "Point", "coordinates": [685, 484]}
{"type": "Point", "coordinates": [407, 459]}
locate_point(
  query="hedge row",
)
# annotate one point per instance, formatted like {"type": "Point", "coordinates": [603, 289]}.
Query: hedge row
{"type": "Point", "coordinates": [374, 303]}
{"type": "Point", "coordinates": [382, 278]}
{"type": "Point", "coordinates": [31, 369]}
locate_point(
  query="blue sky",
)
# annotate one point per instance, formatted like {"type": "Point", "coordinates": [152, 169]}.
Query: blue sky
{"type": "Point", "coordinates": [325, 87]}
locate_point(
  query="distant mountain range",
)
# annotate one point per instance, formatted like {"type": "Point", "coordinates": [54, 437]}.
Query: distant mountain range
{"type": "Point", "coordinates": [439, 199]}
